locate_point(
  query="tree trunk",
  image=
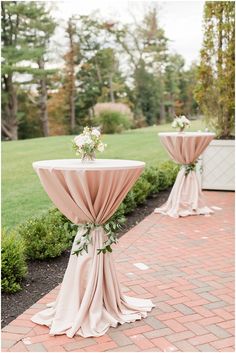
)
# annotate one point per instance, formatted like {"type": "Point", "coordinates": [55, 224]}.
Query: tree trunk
{"type": "Point", "coordinates": [72, 110]}
{"type": "Point", "coordinates": [9, 121]}
{"type": "Point", "coordinates": [71, 77]}
{"type": "Point", "coordinates": [43, 100]}
{"type": "Point", "coordinates": [111, 89]}
{"type": "Point", "coordinates": [162, 112]}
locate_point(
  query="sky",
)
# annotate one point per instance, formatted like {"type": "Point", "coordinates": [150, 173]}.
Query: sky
{"type": "Point", "coordinates": [181, 20]}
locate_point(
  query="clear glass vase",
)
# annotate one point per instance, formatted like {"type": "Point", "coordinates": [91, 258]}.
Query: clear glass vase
{"type": "Point", "coordinates": [88, 157]}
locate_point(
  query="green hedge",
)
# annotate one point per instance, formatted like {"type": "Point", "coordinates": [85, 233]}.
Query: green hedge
{"type": "Point", "coordinates": [46, 236]}
{"type": "Point", "coordinates": [14, 266]}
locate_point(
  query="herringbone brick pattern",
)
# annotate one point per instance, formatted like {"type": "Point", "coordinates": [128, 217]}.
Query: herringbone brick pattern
{"type": "Point", "coordinates": [189, 274]}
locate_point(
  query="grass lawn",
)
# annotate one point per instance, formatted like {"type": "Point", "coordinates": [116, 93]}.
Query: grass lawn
{"type": "Point", "coordinates": [22, 193]}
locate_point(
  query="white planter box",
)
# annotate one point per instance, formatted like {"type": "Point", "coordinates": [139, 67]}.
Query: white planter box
{"type": "Point", "coordinates": [218, 162]}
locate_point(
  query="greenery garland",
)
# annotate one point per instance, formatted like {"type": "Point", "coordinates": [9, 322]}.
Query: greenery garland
{"type": "Point", "coordinates": [190, 167]}
{"type": "Point", "coordinates": [110, 227]}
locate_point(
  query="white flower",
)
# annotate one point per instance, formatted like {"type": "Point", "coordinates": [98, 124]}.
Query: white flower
{"type": "Point", "coordinates": [174, 124]}
{"type": "Point", "coordinates": [81, 140]}
{"type": "Point", "coordinates": [101, 147]}
{"type": "Point", "coordinates": [88, 141]}
{"type": "Point", "coordinates": [185, 120]}
{"type": "Point", "coordinates": [181, 122]}
{"type": "Point", "coordinates": [96, 132]}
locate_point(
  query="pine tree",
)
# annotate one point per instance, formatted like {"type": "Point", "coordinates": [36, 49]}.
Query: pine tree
{"type": "Point", "coordinates": [215, 90]}
{"type": "Point", "coordinates": [26, 29]}
{"type": "Point", "coordinates": [71, 60]}
{"type": "Point", "coordinates": [41, 29]}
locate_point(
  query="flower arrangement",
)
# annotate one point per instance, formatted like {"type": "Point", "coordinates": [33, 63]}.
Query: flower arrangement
{"type": "Point", "coordinates": [181, 122]}
{"type": "Point", "coordinates": [87, 143]}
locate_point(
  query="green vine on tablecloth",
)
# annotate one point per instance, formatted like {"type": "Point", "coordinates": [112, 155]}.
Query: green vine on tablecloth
{"type": "Point", "coordinates": [191, 167]}
{"type": "Point", "coordinates": [111, 227]}
{"type": "Point", "coordinates": [86, 237]}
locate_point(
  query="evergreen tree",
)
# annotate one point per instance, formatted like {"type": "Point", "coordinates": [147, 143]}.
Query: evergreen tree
{"type": "Point", "coordinates": [187, 103]}
{"type": "Point", "coordinates": [147, 95]}
{"type": "Point", "coordinates": [145, 46]}
{"type": "Point", "coordinates": [26, 28]}
{"type": "Point", "coordinates": [38, 35]}
{"type": "Point", "coordinates": [215, 91]}
{"type": "Point", "coordinates": [173, 74]}
{"type": "Point", "coordinates": [72, 59]}
{"type": "Point", "coordinates": [98, 76]}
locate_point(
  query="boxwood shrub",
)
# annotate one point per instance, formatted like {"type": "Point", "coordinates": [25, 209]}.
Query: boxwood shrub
{"type": "Point", "coordinates": [45, 236]}
{"type": "Point", "coordinates": [129, 202]}
{"type": "Point", "coordinates": [141, 190]}
{"type": "Point", "coordinates": [14, 267]}
{"type": "Point", "coordinates": [171, 170]}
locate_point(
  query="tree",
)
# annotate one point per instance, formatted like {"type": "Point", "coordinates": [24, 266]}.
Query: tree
{"type": "Point", "coordinates": [38, 36]}
{"type": "Point", "coordinates": [172, 77]}
{"type": "Point", "coordinates": [215, 90]}
{"type": "Point", "coordinates": [12, 55]}
{"type": "Point", "coordinates": [145, 46]}
{"type": "Point", "coordinates": [147, 94]}
{"type": "Point", "coordinates": [98, 78]}
{"type": "Point", "coordinates": [72, 59]}
{"type": "Point", "coordinates": [188, 81]}
{"type": "Point", "coordinates": [26, 28]}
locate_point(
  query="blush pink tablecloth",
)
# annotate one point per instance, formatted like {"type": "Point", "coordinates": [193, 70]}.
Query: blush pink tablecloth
{"type": "Point", "coordinates": [90, 299]}
{"type": "Point", "coordinates": [186, 197]}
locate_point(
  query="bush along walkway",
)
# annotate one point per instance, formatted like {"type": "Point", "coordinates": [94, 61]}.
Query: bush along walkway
{"type": "Point", "coordinates": [184, 265]}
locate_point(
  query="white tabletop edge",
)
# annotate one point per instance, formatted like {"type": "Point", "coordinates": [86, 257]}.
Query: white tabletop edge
{"type": "Point", "coordinates": [187, 133]}
{"type": "Point", "coordinates": [76, 164]}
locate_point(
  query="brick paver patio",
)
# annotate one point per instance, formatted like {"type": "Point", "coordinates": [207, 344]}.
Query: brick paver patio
{"type": "Point", "coordinates": [186, 266]}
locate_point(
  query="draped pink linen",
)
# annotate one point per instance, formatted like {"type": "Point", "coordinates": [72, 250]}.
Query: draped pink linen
{"type": "Point", "coordinates": [90, 299]}
{"type": "Point", "coordinates": [186, 197]}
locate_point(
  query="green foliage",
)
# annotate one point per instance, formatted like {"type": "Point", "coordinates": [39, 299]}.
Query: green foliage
{"type": "Point", "coordinates": [152, 176]}
{"type": "Point", "coordinates": [14, 266]}
{"type": "Point", "coordinates": [162, 180]}
{"type": "Point", "coordinates": [111, 227]}
{"type": "Point", "coordinates": [147, 94]}
{"type": "Point", "coordinates": [29, 124]}
{"type": "Point", "coordinates": [99, 75]}
{"type": "Point", "coordinates": [129, 202]}
{"type": "Point", "coordinates": [45, 236]}
{"type": "Point", "coordinates": [170, 169]}
{"type": "Point", "coordinates": [141, 190]}
{"type": "Point", "coordinates": [26, 30]}
{"type": "Point", "coordinates": [215, 91]}
{"type": "Point", "coordinates": [155, 87]}
{"type": "Point", "coordinates": [113, 122]}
